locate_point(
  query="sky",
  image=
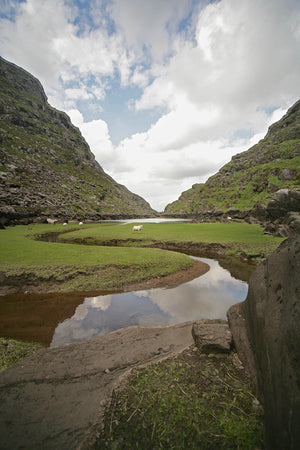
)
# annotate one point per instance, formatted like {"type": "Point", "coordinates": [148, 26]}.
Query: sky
{"type": "Point", "coordinates": [165, 92]}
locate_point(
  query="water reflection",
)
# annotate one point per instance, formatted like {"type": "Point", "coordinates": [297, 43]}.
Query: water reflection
{"type": "Point", "coordinates": [208, 296]}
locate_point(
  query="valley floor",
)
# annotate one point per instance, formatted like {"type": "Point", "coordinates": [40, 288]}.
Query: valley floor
{"type": "Point", "coordinates": [106, 257]}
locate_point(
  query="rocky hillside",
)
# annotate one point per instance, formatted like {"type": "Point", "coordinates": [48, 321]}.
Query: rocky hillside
{"type": "Point", "coordinates": [252, 177]}
{"type": "Point", "coordinates": [46, 166]}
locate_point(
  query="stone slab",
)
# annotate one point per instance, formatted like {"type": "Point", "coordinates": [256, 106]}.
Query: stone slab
{"type": "Point", "coordinates": [212, 336]}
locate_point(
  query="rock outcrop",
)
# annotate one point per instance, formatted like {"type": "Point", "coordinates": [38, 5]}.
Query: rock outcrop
{"type": "Point", "coordinates": [46, 166]}
{"type": "Point", "coordinates": [266, 332]}
{"type": "Point", "coordinates": [54, 398]}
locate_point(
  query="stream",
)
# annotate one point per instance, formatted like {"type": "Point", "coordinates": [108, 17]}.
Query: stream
{"type": "Point", "coordinates": [60, 319]}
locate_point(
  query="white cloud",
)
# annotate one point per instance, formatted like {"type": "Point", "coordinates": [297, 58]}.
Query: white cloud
{"type": "Point", "coordinates": [149, 24]}
{"type": "Point", "coordinates": [97, 135]}
{"type": "Point", "coordinates": [42, 39]}
{"type": "Point", "coordinates": [76, 94]}
{"type": "Point", "coordinates": [217, 84]}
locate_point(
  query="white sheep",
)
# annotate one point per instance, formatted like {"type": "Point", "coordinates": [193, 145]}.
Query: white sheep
{"type": "Point", "coordinates": [51, 220]}
{"type": "Point", "coordinates": [137, 228]}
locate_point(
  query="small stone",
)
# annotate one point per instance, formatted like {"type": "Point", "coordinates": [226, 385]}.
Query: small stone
{"type": "Point", "coordinates": [212, 336]}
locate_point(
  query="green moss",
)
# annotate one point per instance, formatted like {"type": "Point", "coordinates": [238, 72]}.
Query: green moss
{"type": "Point", "coordinates": [12, 350]}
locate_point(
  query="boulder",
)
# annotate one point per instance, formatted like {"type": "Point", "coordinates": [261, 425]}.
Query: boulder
{"type": "Point", "coordinates": [233, 211]}
{"type": "Point", "coordinates": [266, 333]}
{"type": "Point", "coordinates": [212, 335]}
{"type": "Point", "coordinates": [288, 174]}
{"type": "Point", "coordinates": [283, 201]}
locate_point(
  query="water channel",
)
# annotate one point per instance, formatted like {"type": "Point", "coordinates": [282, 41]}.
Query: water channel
{"type": "Point", "coordinates": [60, 319]}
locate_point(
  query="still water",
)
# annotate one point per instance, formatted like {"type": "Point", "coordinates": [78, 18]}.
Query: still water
{"type": "Point", "coordinates": [208, 296]}
{"type": "Point", "coordinates": [59, 319]}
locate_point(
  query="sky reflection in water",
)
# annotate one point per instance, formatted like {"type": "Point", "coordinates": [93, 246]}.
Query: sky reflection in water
{"type": "Point", "coordinates": [206, 297]}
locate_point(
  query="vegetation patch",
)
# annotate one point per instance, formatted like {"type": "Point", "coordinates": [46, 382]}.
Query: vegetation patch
{"type": "Point", "coordinates": [237, 237]}
{"type": "Point", "coordinates": [192, 401]}
{"type": "Point", "coordinates": [12, 350]}
{"type": "Point", "coordinates": [30, 264]}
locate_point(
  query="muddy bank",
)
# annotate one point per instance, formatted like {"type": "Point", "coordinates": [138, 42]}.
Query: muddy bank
{"type": "Point", "coordinates": [29, 282]}
{"type": "Point", "coordinates": [173, 280]}
{"type": "Point", "coordinates": [240, 265]}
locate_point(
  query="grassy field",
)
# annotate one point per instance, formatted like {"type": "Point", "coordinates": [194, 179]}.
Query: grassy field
{"type": "Point", "coordinates": [236, 237]}
{"type": "Point", "coordinates": [55, 266]}
{"type": "Point", "coordinates": [67, 267]}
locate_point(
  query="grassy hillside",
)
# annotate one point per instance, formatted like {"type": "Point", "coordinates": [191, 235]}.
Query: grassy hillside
{"type": "Point", "coordinates": [46, 166]}
{"type": "Point", "coordinates": [251, 177]}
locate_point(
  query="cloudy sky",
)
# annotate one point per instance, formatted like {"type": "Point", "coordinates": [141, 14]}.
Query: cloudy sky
{"type": "Point", "coordinates": [164, 91]}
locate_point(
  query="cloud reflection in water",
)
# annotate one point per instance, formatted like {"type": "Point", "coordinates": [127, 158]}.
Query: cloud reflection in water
{"type": "Point", "coordinates": [208, 296]}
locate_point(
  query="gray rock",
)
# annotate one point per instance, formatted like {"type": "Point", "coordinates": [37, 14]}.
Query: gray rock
{"type": "Point", "coordinates": [232, 211]}
{"type": "Point", "coordinates": [288, 174]}
{"type": "Point", "coordinates": [266, 333]}
{"type": "Point", "coordinates": [55, 399]}
{"type": "Point", "coordinates": [212, 336]}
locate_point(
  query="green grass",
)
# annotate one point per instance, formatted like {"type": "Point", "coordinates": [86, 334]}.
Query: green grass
{"type": "Point", "coordinates": [12, 350]}
{"type": "Point", "coordinates": [79, 267]}
{"type": "Point", "coordinates": [187, 402]}
{"type": "Point", "coordinates": [27, 261]}
{"type": "Point", "coordinates": [237, 237]}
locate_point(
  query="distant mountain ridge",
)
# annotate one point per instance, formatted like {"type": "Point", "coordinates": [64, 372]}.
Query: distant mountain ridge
{"type": "Point", "coordinates": [46, 166]}
{"type": "Point", "coordinates": [251, 178]}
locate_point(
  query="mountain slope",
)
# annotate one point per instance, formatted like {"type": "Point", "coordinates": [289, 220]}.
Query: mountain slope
{"type": "Point", "coordinates": [253, 176]}
{"type": "Point", "coordinates": [46, 166]}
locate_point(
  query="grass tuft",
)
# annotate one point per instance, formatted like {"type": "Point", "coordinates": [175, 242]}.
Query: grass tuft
{"type": "Point", "coordinates": [12, 351]}
{"type": "Point", "coordinates": [188, 402]}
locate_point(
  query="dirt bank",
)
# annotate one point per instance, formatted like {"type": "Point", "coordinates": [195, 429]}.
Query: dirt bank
{"type": "Point", "coordinates": [174, 279]}
{"type": "Point", "coordinates": [31, 283]}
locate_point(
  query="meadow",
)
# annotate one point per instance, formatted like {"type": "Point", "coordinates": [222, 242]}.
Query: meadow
{"type": "Point", "coordinates": [60, 267]}
{"type": "Point", "coordinates": [111, 255]}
